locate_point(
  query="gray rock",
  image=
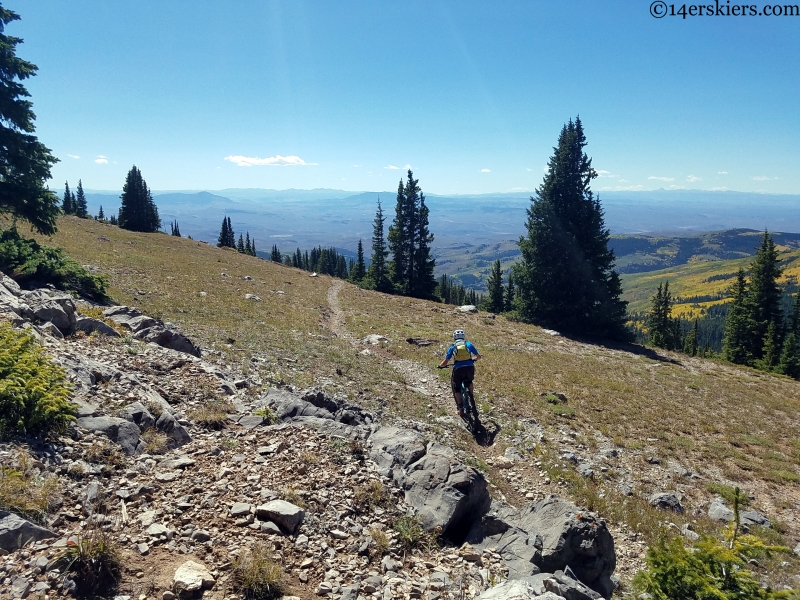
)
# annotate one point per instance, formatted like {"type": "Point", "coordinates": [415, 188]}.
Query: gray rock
{"type": "Point", "coordinates": [20, 587]}
{"type": "Point", "coordinates": [689, 533]}
{"type": "Point", "coordinates": [157, 529]}
{"type": "Point", "coordinates": [445, 492]}
{"type": "Point", "coordinates": [15, 532]}
{"type": "Point", "coordinates": [525, 588]}
{"type": "Point", "coordinates": [287, 406]}
{"type": "Point", "coordinates": [797, 550]}
{"type": "Point", "coordinates": [168, 338]}
{"type": "Point", "coordinates": [48, 328]}
{"type": "Point", "coordinates": [137, 413]}
{"type": "Point", "coordinates": [513, 454]}
{"type": "Point", "coordinates": [178, 462]}
{"type": "Point", "coordinates": [89, 325]}
{"type": "Point", "coordinates": [549, 536]}
{"type": "Point", "coordinates": [395, 447]}
{"type": "Point", "coordinates": [59, 309]}
{"type": "Point", "coordinates": [240, 509]}
{"type": "Point", "coordinates": [349, 592]}
{"type": "Point", "coordinates": [177, 434]}
{"type": "Point", "coordinates": [251, 421]}
{"type": "Point", "coordinates": [390, 564]}
{"type": "Point", "coordinates": [753, 517]}
{"type": "Point", "coordinates": [200, 535]}
{"type": "Point", "coordinates": [84, 408]}
{"type": "Point", "coordinates": [667, 501]}
{"type": "Point", "coordinates": [86, 372]}
{"type": "Point", "coordinates": [285, 514]}
{"type": "Point", "coordinates": [143, 549]}
{"type": "Point", "coordinates": [468, 308]}
{"type": "Point", "coordinates": [585, 470]}
{"type": "Point", "coordinates": [270, 527]}
{"type": "Point", "coordinates": [565, 584]}
{"type": "Point", "coordinates": [124, 433]}
{"type": "Point", "coordinates": [719, 512]}
{"type": "Point", "coordinates": [191, 577]}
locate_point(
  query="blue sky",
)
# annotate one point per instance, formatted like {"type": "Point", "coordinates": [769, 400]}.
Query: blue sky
{"type": "Point", "coordinates": [308, 94]}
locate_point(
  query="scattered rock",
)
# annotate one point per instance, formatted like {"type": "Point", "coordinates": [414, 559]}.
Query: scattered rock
{"type": "Point", "coordinates": [191, 577]}
{"type": "Point", "coordinates": [15, 531]}
{"type": "Point", "coordinates": [285, 514]}
{"type": "Point", "coordinates": [666, 501]}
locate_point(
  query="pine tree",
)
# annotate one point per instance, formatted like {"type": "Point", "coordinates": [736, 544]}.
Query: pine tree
{"type": "Point", "coordinates": [510, 293]}
{"type": "Point", "coordinates": [789, 363]}
{"type": "Point", "coordinates": [424, 283]}
{"type": "Point", "coordinates": [253, 247]}
{"type": "Point", "coordinates": [247, 248]}
{"type": "Point", "coordinates": [275, 255]}
{"type": "Point", "coordinates": [566, 280]}
{"type": "Point", "coordinates": [495, 301]}
{"type": "Point", "coordinates": [24, 161]}
{"type": "Point", "coordinates": [663, 330]}
{"type": "Point", "coordinates": [378, 273]}
{"type": "Point", "coordinates": [359, 270]}
{"type": "Point", "coordinates": [240, 244]}
{"type": "Point", "coordinates": [738, 324]}
{"type": "Point", "coordinates": [67, 204]}
{"type": "Point", "coordinates": [764, 297]}
{"type": "Point", "coordinates": [341, 267]}
{"type": "Point", "coordinates": [399, 242]}
{"type": "Point", "coordinates": [690, 345]}
{"type": "Point", "coordinates": [137, 211]}
{"type": "Point", "coordinates": [794, 320]}
{"type": "Point", "coordinates": [101, 216]}
{"type": "Point", "coordinates": [771, 350]}
{"type": "Point", "coordinates": [112, 220]}
{"type": "Point", "coordinates": [223, 234]}
{"type": "Point", "coordinates": [176, 230]}
{"type": "Point", "coordinates": [80, 206]}
{"type": "Point", "coordinates": [231, 240]}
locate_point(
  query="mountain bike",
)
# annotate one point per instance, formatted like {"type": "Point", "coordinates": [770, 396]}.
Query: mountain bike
{"type": "Point", "coordinates": [469, 407]}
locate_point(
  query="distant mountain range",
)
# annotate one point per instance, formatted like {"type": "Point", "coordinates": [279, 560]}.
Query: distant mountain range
{"type": "Point", "coordinates": [470, 231]}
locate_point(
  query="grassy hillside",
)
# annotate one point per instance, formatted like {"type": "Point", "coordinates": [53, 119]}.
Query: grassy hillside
{"type": "Point", "coordinates": [698, 285]}
{"type": "Point", "coordinates": [724, 424]}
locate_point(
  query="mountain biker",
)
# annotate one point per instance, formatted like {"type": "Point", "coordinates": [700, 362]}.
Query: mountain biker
{"type": "Point", "coordinates": [462, 352]}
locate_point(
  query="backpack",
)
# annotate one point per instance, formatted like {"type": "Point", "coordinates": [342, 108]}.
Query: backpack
{"type": "Point", "coordinates": [462, 352]}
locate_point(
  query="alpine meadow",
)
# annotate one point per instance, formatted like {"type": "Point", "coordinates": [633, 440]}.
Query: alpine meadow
{"type": "Point", "coordinates": [394, 301]}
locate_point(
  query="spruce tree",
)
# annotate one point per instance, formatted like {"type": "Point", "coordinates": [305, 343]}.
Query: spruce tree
{"type": "Point", "coordinates": [227, 238]}
{"type": "Point", "coordinates": [176, 230]}
{"type": "Point", "coordinates": [231, 239]}
{"type": "Point", "coordinates": [789, 363]}
{"type": "Point", "coordinates": [378, 273]}
{"type": "Point", "coordinates": [739, 326]}
{"type": "Point", "coordinates": [359, 270]}
{"type": "Point", "coordinates": [495, 302]}
{"type": "Point", "coordinates": [690, 345]}
{"type": "Point", "coordinates": [101, 216]}
{"type": "Point", "coordinates": [424, 282]}
{"type": "Point", "coordinates": [24, 161]}
{"type": "Point", "coordinates": [112, 220]}
{"type": "Point", "coordinates": [771, 350]}
{"type": "Point", "coordinates": [80, 206]}
{"type": "Point", "coordinates": [137, 211]}
{"type": "Point", "coordinates": [253, 247]}
{"type": "Point", "coordinates": [275, 255]}
{"type": "Point", "coordinates": [247, 248]}
{"type": "Point", "coordinates": [764, 297]}
{"type": "Point", "coordinates": [663, 330]}
{"type": "Point", "coordinates": [240, 244]}
{"type": "Point", "coordinates": [510, 293]}
{"type": "Point", "coordinates": [67, 204]}
{"type": "Point", "coordinates": [566, 280]}
{"type": "Point", "coordinates": [400, 241]}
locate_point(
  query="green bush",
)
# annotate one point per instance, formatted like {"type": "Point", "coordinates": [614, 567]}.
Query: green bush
{"type": "Point", "coordinates": [33, 391]}
{"type": "Point", "coordinates": [26, 262]}
{"type": "Point", "coordinates": [94, 562]}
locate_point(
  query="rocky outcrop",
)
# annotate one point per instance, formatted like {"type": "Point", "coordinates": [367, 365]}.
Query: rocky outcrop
{"type": "Point", "coordinates": [15, 532]}
{"type": "Point", "coordinates": [152, 330]}
{"type": "Point", "coordinates": [548, 536]}
{"type": "Point", "coordinates": [123, 432]}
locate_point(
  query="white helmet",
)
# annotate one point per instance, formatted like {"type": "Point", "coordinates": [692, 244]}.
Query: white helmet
{"type": "Point", "coordinates": [459, 334]}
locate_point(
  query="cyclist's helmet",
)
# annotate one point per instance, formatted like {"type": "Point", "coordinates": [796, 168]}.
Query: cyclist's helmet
{"type": "Point", "coordinates": [459, 334]}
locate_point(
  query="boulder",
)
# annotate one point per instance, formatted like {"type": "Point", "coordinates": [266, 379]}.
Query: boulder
{"type": "Point", "coordinates": [85, 372]}
{"type": "Point", "coordinates": [285, 514]}
{"type": "Point", "coordinates": [468, 308]}
{"type": "Point", "coordinates": [548, 536]}
{"type": "Point", "coordinates": [125, 433]}
{"type": "Point", "coordinates": [168, 338]}
{"type": "Point", "coordinates": [525, 588]}
{"type": "Point", "coordinates": [392, 447]}
{"type": "Point", "coordinates": [15, 532]}
{"type": "Point", "coordinates": [667, 501]}
{"type": "Point", "coordinates": [445, 492]}
{"type": "Point", "coordinates": [287, 406]}
{"type": "Point", "coordinates": [137, 413]}
{"type": "Point", "coordinates": [191, 577]}
{"type": "Point", "coordinates": [47, 328]}
{"type": "Point", "coordinates": [89, 325]}
{"type": "Point", "coordinates": [719, 512]}
{"type": "Point", "coordinates": [753, 517]}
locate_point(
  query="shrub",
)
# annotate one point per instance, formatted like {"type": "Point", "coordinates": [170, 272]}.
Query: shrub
{"type": "Point", "coordinates": [26, 495]}
{"type": "Point", "coordinates": [105, 453]}
{"type": "Point", "coordinates": [94, 562]}
{"type": "Point", "coordinates": [410, 534]}
{"type": "Point", "coordinates": [265, 412]}
{"type": "Point", "coordinates": [27, 262]}
{"type": "Point", "coordinates": [255, 575]}
{"type": "Point", "coordinates": [370, 495]}
{"type": "Point", "coordinates": [155, 441]}
{"type": "Point", "coordinates": [381, 539]}
{"type": "Point", "coordinates": [33, 391]}
{"type": "Point", "coordinates": [211, 414]}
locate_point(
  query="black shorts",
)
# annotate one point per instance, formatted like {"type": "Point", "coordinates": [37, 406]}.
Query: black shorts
{"type": "Point", "coordinates": [465, 374]}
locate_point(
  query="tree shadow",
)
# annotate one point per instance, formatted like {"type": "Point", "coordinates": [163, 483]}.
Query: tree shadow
{"type": "Point", "coordinates": [483, 436]}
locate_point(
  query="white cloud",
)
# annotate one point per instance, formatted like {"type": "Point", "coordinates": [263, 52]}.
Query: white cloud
{"type": "Point", "coordinates": [693, 179]}
{"type": "Point", "coordinates": [356, 166]}
{"type": "Point", "coordinates": [719, 189]}
{"type": "Point", "coordinates": [762, 178]}
{"type": "Point", "coordinates": [391, 167]}
{"type": "Point", "coordinates": [722, 172]}
{"type": "Point", "coordinates": [101, 160]}
{"type": "Point", "coordinates": [676, 187]}
{"type": "Point", "coordinates": [486, 170]}
{"type": "Point", "coordinates": [272, 161]}
{"type": "Point", "coordinates": [529, 170]}
{"type": "Point", "coordinates": [662, 178]}
{"type": "Point", "coordinates": [604, 173]}
{"type": "Point", "coordinates": [75, 156]}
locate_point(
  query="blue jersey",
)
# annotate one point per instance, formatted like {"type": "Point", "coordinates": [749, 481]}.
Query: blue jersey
{"type": "Point", "coordinates": [462, 363]}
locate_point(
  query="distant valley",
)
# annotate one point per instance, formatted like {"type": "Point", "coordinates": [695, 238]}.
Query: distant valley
{"type": "Point", "coordinates": [653, 230]}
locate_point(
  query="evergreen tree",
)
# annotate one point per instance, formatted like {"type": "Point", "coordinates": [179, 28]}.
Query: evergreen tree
{"type": "Point", "coordinates": [67, 204]}
{"type": "Point", "coordinates": [253, 247]}
{"type": "Point", "coordinates": [247, 248]}
{"type": "Point", "coordinates": [137, 211]}
{"type": "Point", "coordinates": [400, 242]}
{"type": "Point", "coordinates": [227, 238]}
{"type": "Point", "coordinates": [663, 330]}
{"type": "Point", "coordinates": [287, 260]}
{"type": "Point", "coordinates": [771, 350]}
{"type": "Point", "coordinates": [341, 267]}
{"type": "Point", "coordinates": [794, 320]}
{"type": "Point", "coordinates": [378, 273]}
{"type": "Point", "coordinates": [24, 161]}
{"type": "Point", "coordinates": [359, 270]}
{"type": "Point", "coordinates": [565, 280]}
{"type": "Point", "coordinates": [112, 220]}
{"type": "Point", "coordinates": [789, 363]}
{"type": "Point", "coordinates": [240, 244]}
{"type": "Point", "coordinates": [690, 345]}
{"type": "Point", "coordinates": [176, 230]}
{"type": "Point", "coordinates": [738, 325]}
{"type": "Point", "coordinates": [80, 206]}
{"type": "Point", "coordinates": [495, 301]}
{"type": "Point", "coordinates": [764, 297]}
{"type": "Point", "coordinates": [101, 216]}
{"type": "Point", "coordinates": [510, 293]}
{"type": "Point", "coordinates": [275, 255]}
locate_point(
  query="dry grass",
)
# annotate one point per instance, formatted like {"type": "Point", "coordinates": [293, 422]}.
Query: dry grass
{"type": "Point", "coordinates": [24, 493]}
{"type": "Point", "coordinates": [256, 576]}
{"type": "Point", "coordinates": [211, 414]}
{"type": "Point", "coordinates": [94, 561]}
{"type": "Point", "coordinates": [155, 441]}
{"type": "Point", "coordinates": [106, 453]}
{"type": "Point", "coordinates": [370, 495]}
